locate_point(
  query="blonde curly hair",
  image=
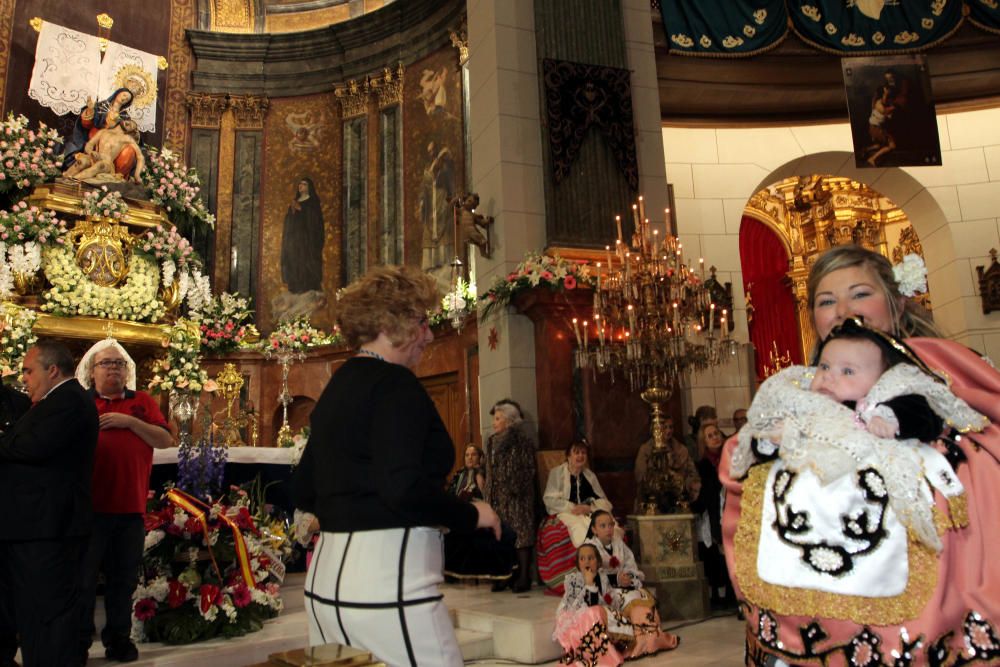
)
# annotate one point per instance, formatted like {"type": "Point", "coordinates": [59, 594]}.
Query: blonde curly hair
{"type": "Point", "coordinates": [389, 299]}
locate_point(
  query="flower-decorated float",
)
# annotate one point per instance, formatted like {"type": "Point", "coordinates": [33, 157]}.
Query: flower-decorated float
{"type": "Point", "coordinates": [88, 259]}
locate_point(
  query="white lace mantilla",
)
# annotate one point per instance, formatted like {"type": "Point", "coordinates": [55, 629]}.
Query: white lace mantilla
{"type": "Point", "coordinates": [822, 436]}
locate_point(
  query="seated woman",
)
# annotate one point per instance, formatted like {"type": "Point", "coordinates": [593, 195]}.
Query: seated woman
{"type": "Point", "coordinates": [573, 492]}
{"type": "Point", "coordinates": [468, 482]}
{"type": "Point", "coordinates": [478, 555]}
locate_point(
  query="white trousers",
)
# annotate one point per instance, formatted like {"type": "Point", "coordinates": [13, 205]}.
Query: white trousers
{"type": "Point", "coordinates": [378, 590]}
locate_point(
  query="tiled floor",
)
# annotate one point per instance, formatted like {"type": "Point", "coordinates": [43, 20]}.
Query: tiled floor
{"type": "Point", "coordinates": [520, 624]}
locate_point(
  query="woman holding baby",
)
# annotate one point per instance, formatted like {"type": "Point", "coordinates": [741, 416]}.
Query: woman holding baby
{"type": "Point", "coordinates": [853, 535]}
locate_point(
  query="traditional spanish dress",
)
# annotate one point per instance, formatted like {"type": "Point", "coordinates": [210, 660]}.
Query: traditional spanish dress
{"type": "Point", "coordinates": [854, 550]}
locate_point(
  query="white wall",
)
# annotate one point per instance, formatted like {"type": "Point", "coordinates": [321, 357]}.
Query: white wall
{"type": "Point", "coordinates": [954, 209]}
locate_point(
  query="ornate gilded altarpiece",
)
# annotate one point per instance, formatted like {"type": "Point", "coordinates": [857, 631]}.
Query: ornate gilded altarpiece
{"type": "Point", "coordinates": [302, 140]}
{"type": "Point", "coordinates": [812, 213]}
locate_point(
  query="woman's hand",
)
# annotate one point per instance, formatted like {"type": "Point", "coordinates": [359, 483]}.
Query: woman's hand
{"type": "Point", "coordinates": [582, 510]}
{"type": "Point", "coordinates": [589, 575]}
{"type": "Point", "coordinates": [487, 517]}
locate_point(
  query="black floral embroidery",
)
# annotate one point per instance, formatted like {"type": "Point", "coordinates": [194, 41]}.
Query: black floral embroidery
{"type": "Point", "coordinates": [864, 527]}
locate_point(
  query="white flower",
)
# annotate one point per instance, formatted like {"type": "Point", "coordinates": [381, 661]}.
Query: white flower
{"type": "Point", "coordinates": [153, 538]}
{"type": "Point", "coordinates": [168, 269]}
{"type": "Point", "coordinates": [25, 258]}
{"type": "Point", "coordinates": [911, 274]}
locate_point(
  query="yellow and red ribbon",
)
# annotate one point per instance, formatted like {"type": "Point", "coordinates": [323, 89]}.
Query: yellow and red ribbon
{"type": "Point", "coordinates": [199, 510]}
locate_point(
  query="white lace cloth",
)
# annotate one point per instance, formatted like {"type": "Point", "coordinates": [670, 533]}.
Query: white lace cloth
{"type": "Point", "coordinates": [69, 68]}
{"type": "Point", "coordinates": [821, 436]}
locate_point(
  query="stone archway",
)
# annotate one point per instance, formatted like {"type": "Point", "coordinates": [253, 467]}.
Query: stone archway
{"type": "Point", "coordinates": [922, 209]}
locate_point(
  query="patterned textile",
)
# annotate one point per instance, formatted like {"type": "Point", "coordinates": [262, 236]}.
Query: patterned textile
{"type": "Point", "coordinates": [556, 553]}
{"type": "Point", "coordinates": [125, 67]}
{"type": "Point", "coordinates": [510, 480]}
{"type": "Point", "coordinates": [67, 69]}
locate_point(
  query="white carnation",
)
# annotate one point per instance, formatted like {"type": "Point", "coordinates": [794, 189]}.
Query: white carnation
{"type": "Point", "coordinates": [911, 275]}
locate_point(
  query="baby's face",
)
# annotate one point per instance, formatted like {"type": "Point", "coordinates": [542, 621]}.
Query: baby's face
{"type": "Point", "coordinates": [847, 369]}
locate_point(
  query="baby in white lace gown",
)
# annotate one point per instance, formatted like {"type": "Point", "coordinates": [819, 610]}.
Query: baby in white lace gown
{"type": "Point", "coordinates": [854, 477]}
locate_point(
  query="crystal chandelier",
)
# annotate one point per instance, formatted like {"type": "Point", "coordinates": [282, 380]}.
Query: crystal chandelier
{"type": "Point", "coordinates": [655, 319]}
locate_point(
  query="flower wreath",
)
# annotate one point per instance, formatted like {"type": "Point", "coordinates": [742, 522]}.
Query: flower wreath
{"type": "Point", "coordinates": [73, 293]}
{"type": "Point", "coordinates": [911, 275]}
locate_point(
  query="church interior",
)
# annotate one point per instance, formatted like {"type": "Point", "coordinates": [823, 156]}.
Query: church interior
{"type": "Point", "coordinates": [527, 154]}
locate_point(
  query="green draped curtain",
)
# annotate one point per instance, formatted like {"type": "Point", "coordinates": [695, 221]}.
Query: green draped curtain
{"type": "Point", "coordinates": [739, 28]}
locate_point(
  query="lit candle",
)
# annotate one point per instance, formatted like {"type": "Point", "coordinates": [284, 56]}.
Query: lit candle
{"type": "Point", "coordinates": [725, 329]}
{"type": "Point", "coordinates": [607, 249]}
{"type": "Point", "coordinates": [642, 209]}
{"type": "Point", "coordinates": [635, 217]}
{"type": "Point", "coordinates": [666, 218]}
{"type": "Point", "coordinates": [576, 332]}
{"type": "Point", "coordinates": [586, 335]}
{"type": "Point", "coordinates": [701, 266]}
{"type": "Point", "coordinates": [711, 319]}
{"type": "Point", "coordinates": [618, 222]}
{"type": "Point", "coordinates": [598, 277]}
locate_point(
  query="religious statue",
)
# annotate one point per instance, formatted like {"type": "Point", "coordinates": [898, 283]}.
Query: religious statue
{"type": "Point", "coordinates": [472, 227]}
{"type": "Point", "coordinates": [105, 150]}
{"type": "Point", "coordinates": [104, 115]}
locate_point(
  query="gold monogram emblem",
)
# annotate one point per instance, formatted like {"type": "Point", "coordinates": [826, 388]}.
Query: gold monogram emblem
{"type": "Point", "coordinates": [104, 248]}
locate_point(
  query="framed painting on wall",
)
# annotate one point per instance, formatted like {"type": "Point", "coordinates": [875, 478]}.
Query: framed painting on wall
{"type": "Point", "coordinates": [893, 123]}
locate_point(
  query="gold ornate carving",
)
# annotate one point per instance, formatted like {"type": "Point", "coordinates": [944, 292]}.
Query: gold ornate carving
{"type": "Point", "coordinates": [181, 61]}
{"type": "Point", "coordinates": [353, 97]}
{"type": "Point", "coordinates": [6, 38]}
{"type": "Point", "coordinates": [812, 213]}
{"type": "Point", "coordinates": [810, 602]}
{"type": "Point", "coordinates": [224, 200]}
{"type": "Point", "coordinates": [206, 109]}
{"type": "Point", "coordinates": [105, 21]}
{"type": "Point", "coordinates": [460, 40]}
{"type": "Point", "coordinates": [908, 244]}
{"type": "Point", "coordinates": [389, 87]}
{"type": "Point", "coordinates": [232, 16]}
{"type": "Point", "coordinates": [103, 249]}
{"type": "Point", "coordinates": [249, 111]}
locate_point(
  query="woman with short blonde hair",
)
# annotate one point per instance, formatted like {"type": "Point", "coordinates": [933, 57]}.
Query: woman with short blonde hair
{"type": "Point", "coordinates": [373, 473]}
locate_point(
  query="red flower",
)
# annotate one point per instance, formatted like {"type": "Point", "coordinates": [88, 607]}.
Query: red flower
{"type": "Point", "coordinates": [192, 526]}
{"type": "Point", "coordinates": [614, 562]}
{"type": "Point", "coordinates": [569, 282]}
{"type": "Point", "coordinates": [241, 596]}
{"type": "Point", "coordinates": [145, 609]}
{"type": "Point", "coordinates": [607, 598]}
{"type": "Point", "coordinates": [243, 520]}
{"type": "Point", "coordinates": [209, 596]}
{"type": "Point", "coordinates": [151, 521]}
{"type": "Point", "coordinates": [177, 595]}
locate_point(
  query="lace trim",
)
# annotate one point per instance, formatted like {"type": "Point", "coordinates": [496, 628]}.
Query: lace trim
{"type": "Point", "coordinates": [791, 601]}
{"type": "Point", "coordinates": [904, 379]}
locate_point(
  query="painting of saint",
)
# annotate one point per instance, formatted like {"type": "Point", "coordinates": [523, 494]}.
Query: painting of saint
{"type": "Point", "coordinates": [303, 234]}
{"type": "Point", "coordinates": [893, 122]}
{"type": "Point", "coordinates": [435, 213]}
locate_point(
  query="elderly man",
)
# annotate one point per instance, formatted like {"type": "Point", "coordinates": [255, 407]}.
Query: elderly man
{"type": "Point", "coordinates": [46, 460]}
{"type": "Point", "coordinates": [131, 425]}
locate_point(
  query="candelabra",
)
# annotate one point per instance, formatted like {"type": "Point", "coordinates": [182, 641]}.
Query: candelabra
{"type": "Point", "coordinates": [654, 320]}
{"type": "Point", "coordinates": [230, 383]}
{"type": "Point", "coordinates": [286, 356]}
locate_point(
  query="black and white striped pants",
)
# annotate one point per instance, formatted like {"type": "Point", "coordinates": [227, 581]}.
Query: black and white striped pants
{"type": "Point", "coordinates": [378, 590]}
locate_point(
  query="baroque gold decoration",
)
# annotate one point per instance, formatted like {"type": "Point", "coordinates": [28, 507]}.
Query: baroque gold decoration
{"type": "Point", "coordinates": [140, 82]}
{"type": "Point", "coordinates": [908, 244]}
{"type": "Point", "coordinates": [353, 97]}
{"type": "Point", "coordinates": [232, 15]}
{"type": "Point", "coordinates": [810, 214]}
{"type": "Point", "coordinates": [249, 111]}
{"type": "Point", "coordinates": [460, 40]}
{"type": "Point", "coordinates": [789, 601]}
{"type": "Point", "coordinates": [206, 109]}
{"type": "Point", "coordinates": [230, 383]}
{"type": "Point", "coordinates": [389, 86]}
{"type": "Point", "coordinates": [181, 62]}
{"type": "Point", "coordinates": [103, 250]}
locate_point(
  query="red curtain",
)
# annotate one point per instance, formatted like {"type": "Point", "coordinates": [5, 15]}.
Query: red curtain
{"type": "Point", "coordinates": [765, 265]}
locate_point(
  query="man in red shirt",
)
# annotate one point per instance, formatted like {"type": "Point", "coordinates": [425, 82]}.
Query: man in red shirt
{"type": "Point", "coordinates": [131, 425]}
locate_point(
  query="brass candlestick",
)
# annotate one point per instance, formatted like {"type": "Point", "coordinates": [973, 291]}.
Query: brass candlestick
{"type": "Point", "coordinates": [230, 383]}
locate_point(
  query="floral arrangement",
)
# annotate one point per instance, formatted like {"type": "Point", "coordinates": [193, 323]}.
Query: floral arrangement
{"type": "Point", "coordinates": [27, 157]}
{"type": "Point", "coordinates": [16, 337]}
{"type": "Point", "coordinates": [73, 293]}
{"type": "Point", "coordinates": [456, 304]}
{"type": "Point", "coordinates": [208, 570]}
{"type": "Point", "coordinates": [201, 466]}
{"type": "Point", "coordinates": [24, 223]}
{"type": "Point", "coordinates": [551, 271]}
{"type": "Point", "coordinates": [911, 274]}
{"type": "Point", "coordinates": [175, 187]}
{"type": "Point", "coordinates": [294, 337]}
{"type": "Point", "coordinates": [224, 323]}
{"type": "Point", "coordinates": [104, 203]}
{"type": "Point", "coordinates": [181, 368]}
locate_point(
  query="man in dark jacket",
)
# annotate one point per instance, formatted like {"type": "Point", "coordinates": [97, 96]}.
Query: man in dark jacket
{"type": "Point", "coordinates": [13, 404]}
{"type": "Point", "coordinates": [46, 460]}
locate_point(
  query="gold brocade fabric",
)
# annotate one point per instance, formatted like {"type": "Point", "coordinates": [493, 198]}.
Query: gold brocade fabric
{"type": "Point", "coordinates": [791, 601]}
